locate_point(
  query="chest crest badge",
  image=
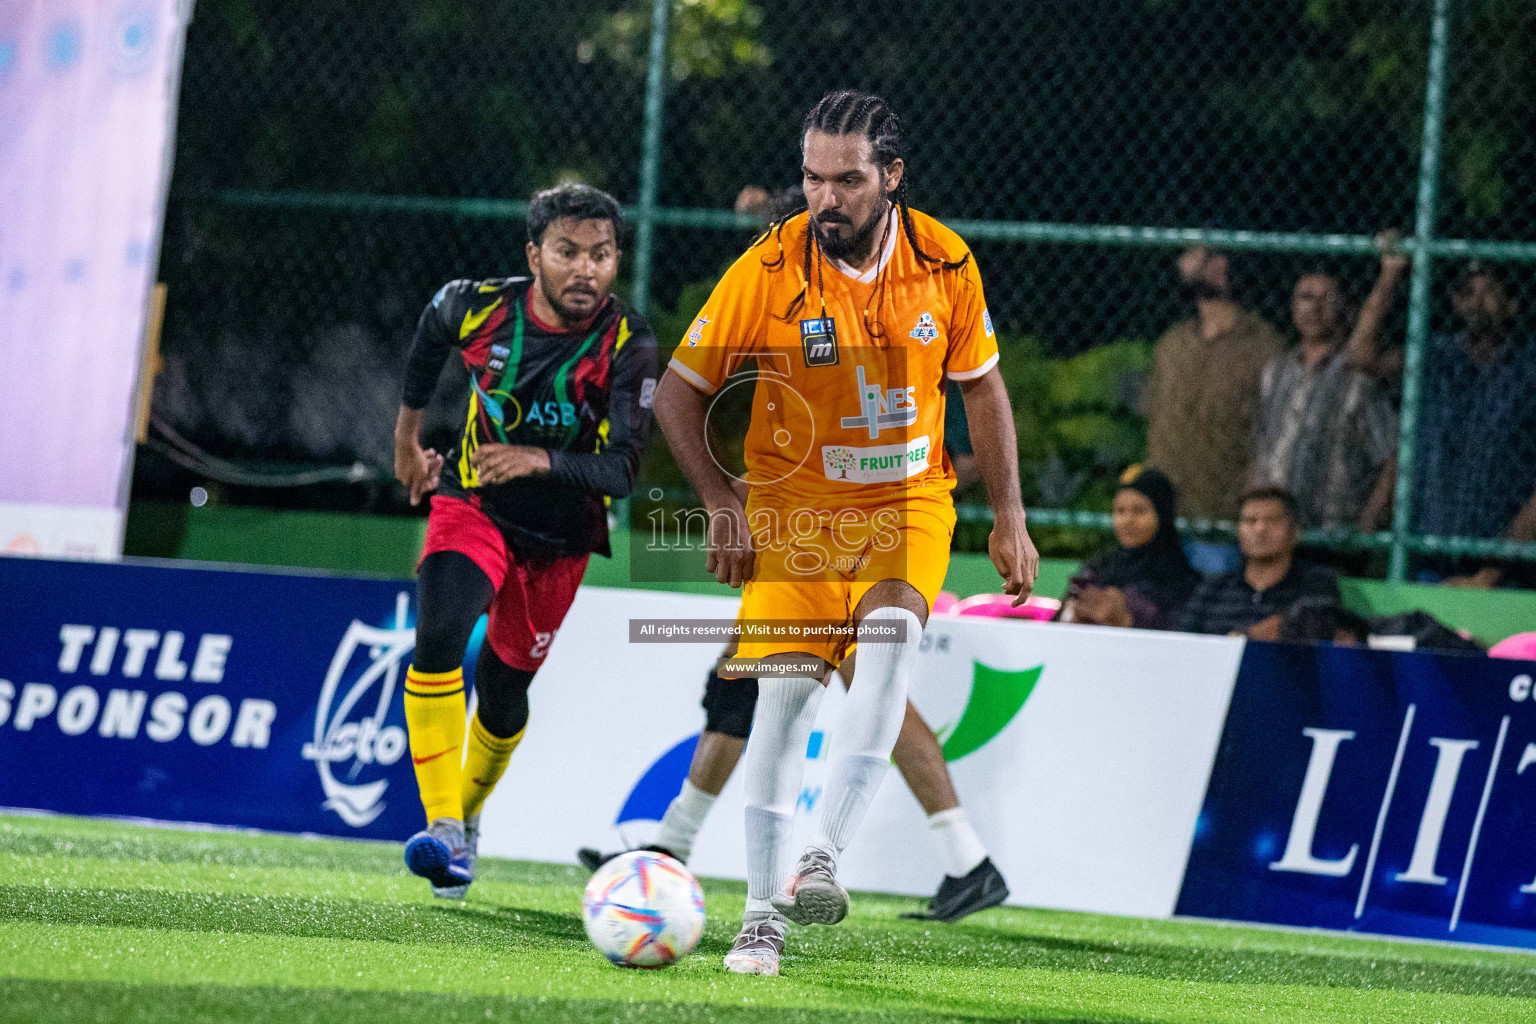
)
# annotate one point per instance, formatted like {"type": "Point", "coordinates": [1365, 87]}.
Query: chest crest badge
{"type": "Point", "coordinates": [926, 330]}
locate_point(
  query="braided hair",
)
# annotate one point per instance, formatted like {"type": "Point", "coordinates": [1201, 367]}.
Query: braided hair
{"type": "Point", "coordinates": [850, 111]}
{"type": "Point", "coordinates": [847, 112]}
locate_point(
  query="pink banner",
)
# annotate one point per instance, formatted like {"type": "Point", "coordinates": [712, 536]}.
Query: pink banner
{"type": "Point", "coordinates": [87, 109]}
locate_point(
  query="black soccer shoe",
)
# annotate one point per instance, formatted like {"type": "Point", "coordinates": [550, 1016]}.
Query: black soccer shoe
{"type": "Point", "coordinates": [592, 859]}
{"type": "Point", "coordinates": [981, 889]}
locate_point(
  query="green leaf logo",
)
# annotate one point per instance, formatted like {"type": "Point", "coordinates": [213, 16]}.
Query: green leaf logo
{"type": "Point", "coordinates": [996, 697]}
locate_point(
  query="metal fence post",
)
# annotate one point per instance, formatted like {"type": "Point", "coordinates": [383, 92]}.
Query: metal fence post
{"type": "Point", "coordinates": [1419, 289]}
{"type": "Point", "coordinates": [650, 153]}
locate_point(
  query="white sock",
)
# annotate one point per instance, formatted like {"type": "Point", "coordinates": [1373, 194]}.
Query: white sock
{"type": "Point", "coordinates": [866, 734]}
{"type": "Point", "coordinates": [685, 816]}
{"type": "Point", "coordinates": [774, 765]}
{"type": "Point", "coordinates": [959, 846]}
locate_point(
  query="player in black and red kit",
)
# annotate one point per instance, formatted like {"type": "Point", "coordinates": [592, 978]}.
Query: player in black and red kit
{"type": "Point", "coordinates": [562, 374]}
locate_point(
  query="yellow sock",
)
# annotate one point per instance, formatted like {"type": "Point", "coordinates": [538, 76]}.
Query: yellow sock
{"type": "Point", "coordinates": [434, 716]}
{"type": "Point", "coordinates": [487, 759]}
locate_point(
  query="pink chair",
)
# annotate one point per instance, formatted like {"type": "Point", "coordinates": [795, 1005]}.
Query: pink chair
{"type": "Point", "coordinates": [1521, 647]}
{"type": "Point", "coordinates": [1000, 606]}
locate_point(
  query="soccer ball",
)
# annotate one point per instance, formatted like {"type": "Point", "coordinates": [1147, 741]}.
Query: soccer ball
{"type": "Point", "coordinates": [643, 909]}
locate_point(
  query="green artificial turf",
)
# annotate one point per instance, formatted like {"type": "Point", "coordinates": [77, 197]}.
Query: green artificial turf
{"type": "Point", "coordinates": [101, 921]}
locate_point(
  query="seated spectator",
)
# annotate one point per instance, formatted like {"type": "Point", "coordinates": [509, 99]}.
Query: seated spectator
{"type": "Point", "coordinates": [1251, 599]}
{"type": "Point", "coordinates": [1325, 431]}
{"type": "Point", "coordinates": [1146, 580]}
{"type": "Point", "coordinates": [1204, 389]}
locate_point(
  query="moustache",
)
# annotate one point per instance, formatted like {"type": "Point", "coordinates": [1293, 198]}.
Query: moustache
{"type": "Point", "coordinates": [832, 218]}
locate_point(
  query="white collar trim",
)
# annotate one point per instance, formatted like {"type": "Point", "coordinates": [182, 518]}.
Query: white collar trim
{"type": "Point", "coordinates": [892, 233]}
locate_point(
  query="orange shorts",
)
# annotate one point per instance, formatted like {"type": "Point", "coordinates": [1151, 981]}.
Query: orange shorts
{"type": "Point", "coordinates": [812, 568]}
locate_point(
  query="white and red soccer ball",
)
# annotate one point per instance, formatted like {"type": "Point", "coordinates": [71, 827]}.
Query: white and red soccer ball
{"type": "Point", "coordinates": [643, 909]}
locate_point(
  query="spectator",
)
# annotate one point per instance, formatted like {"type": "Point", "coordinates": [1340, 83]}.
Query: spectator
{"type": "Point", "coordinates": [766, 207]}
{"type": "Point", "coordinates": [1477, 422]}
{"type": "Point", "coordinates": [1325, 430]}
{"type": "Point", "coordinates": [1146, 580]}
{"type": "Point", "coordinates": [1252, 598]}
{"type": "Point", "coordinates": [1204, 390]}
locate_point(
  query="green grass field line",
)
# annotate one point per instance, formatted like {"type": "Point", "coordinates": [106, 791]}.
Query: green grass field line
{"type": "Point", "coordinates": [101, 921]}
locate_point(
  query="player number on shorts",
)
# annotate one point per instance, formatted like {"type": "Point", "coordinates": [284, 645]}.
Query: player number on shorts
{"type": "Point", "coordinates": [541, 644]}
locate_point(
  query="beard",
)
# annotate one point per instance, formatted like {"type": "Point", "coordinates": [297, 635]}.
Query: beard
{"type": "Point", "coordinates": [1197, 290]}
{"type": "Point", "coordinates": [856, 241]}
{"type": "Point", "coordinates": [567, 313]}
{"type": "Point", "coordinates": [1485, 325]}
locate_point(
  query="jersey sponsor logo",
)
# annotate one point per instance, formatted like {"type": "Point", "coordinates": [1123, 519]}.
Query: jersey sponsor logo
{"type": "Point", "coordinates": [880, 408]}
{"type": "Point", "coordinates": [818, 339]}
{"type": "Point", "coordinates": [986, 322]}
{"type": "Point", "coordinates": [557, 414]}
{"type": "Point", "coordinates": [697, 334]}
{"type": "Point", "coordinates": [925, 330]}
{"type": "Point", "coordinates": [498, 360]}
{"type": "Point", "coordinates": [647, 392]}
{"type": "Point", "coordinates": [879, 464]}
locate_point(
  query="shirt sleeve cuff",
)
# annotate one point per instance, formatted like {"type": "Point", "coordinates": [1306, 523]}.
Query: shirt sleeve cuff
{"type": "Point", "coordinates": [973, 374]}
{"type": "Point", "coordinates": [691, 376]}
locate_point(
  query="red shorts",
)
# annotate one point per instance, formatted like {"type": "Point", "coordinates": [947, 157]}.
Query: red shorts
{"type": "Point", "coordinates": [531, 598]}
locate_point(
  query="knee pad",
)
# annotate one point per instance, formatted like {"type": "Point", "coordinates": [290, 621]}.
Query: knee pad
{"type": "Point", "coordinates": [728, 705]}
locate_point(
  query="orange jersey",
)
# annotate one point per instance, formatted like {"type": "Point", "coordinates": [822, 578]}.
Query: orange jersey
{"type": "Point", "coordinates": [849, 368]}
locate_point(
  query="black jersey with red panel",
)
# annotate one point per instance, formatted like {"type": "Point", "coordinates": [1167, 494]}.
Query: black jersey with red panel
{"type": "Point", "coordinates": [584, 395]}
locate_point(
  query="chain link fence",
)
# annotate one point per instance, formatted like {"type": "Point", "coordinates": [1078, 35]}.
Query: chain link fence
{"type": "Point", "coordinates": [333, 169]}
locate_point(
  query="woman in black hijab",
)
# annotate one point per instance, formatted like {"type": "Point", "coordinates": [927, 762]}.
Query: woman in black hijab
{"type": "Point", "coordinates": [1146, 580]}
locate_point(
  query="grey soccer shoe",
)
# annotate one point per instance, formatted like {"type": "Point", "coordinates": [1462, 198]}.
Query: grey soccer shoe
{"type": "Point", "coordinates": [438, 854]}
{"type": "Point", "coordinates": [471, 853]}
{"type": "Point", "coordinates": [812, 895]}
{"type": "Point", "coordinates": [758, 946]}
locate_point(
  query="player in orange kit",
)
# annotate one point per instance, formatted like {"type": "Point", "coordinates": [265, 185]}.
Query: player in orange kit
{"type": "Point", "coordinates": [854, 313]}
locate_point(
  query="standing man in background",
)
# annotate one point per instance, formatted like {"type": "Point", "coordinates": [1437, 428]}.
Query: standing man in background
{"type": "Point", "coordinates": [561, 374]}
{"type": "Point", "coordinates": [1204, 391]}
{"type": "Point", "coordinates": [1325, 430]}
